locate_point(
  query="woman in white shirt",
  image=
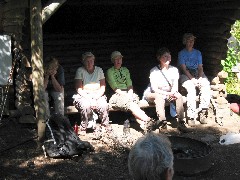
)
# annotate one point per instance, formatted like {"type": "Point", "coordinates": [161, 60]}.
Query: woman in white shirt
{"type": "Point", "coordinates": [90, 86]}
{"type": "Point", "coordinates": [164, 86]}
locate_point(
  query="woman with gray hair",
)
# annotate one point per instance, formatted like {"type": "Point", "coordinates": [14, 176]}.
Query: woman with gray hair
{"type": "Point", "coordinates": [192, 77]}
{"type": "Point", "coordinates": [151, 158]}
{"type": "Point", "coordinates": [90, 98]}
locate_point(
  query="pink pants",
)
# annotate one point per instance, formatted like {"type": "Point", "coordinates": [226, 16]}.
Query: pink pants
{"type": "Point", "coordinates": [84, 107]}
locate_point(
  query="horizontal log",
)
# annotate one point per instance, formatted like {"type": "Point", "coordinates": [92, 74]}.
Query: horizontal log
{"type": "Point", "coordinates": [221, 28]}
{"type": "Point", "coordinates": [218, 49]}
{"type": "Point", "coordinates": [14, 21]}
{"type": "Point", "coordinates": [215, 81]}
{"type": "Point", "coordinates": [148, 3]}
{"type": "Point", "coordinates": [223, 74]}
{"type": "Point", "coordinates": [215, 94]}
{"type": "Point", "coordinates": [214, 55]}
{"type": "Point", "coordinates": [13, 29]}
{"type": "Point", "coordinates": [212, 34]}
{"type": "Point", "coordinates": [221, 101]}
{"type": "Point", "coordinates": [90, 36]}
{"type": "Point", "coordinates": [212, 70]}
{"type": "Point", "coordinates": [14, 4]}
{"type": "Point", "coordinates": [11, 13]}
{"type": "Point", "coordinates": [232, 13]}
{"type": "Point", "coordinates": [212, 19]}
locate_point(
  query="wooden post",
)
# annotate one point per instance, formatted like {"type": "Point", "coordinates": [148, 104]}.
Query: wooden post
{"type": "Point", "coordinates": [37, 65]}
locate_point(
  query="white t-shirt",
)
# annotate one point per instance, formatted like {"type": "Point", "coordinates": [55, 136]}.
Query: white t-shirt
{"type": "Point", "coordinates": [90, 81]}
{"type": "Point", "coordinates": [158, 81]}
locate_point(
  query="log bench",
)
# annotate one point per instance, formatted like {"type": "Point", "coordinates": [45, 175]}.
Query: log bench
{"type": "Point", "coordinates": [143, 105]}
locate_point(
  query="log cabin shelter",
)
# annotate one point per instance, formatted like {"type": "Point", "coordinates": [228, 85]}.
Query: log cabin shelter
{"type": "Point", "coordinates": [136, 28]}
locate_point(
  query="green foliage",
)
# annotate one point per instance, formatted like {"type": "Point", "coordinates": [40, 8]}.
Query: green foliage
{"type": "Point", "coordinates": [233, 87]}
{"type": "Point", "coordinates": [235, 31]}
{"type": "Point", "coordinates": [233, 57]}
{"type": "Point", "coordinates": [229, 62]}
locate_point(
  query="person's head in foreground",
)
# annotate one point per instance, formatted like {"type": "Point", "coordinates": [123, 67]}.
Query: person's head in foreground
{"type": "Point", "coordinates": [151, 158]}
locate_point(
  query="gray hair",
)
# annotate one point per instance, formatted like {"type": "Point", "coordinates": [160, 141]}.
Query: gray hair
{"type": "Point", "coordinates": [150, 156]}
{"type": "Point", "coordinates": [186, 36]}
{"type": "Point", "coordinates": [87, 54]}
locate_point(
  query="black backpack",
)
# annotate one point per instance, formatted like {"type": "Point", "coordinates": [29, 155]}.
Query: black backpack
{"type": "Point", "coordinates": [62, 141]}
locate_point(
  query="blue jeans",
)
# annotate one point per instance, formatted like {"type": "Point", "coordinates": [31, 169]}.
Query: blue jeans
{"type": "Point", "coordinates": [58, 100]}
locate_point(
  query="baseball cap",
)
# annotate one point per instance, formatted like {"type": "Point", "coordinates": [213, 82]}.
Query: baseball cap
{"type": "Point", "coordinates": [186, 36]}
{"type": "Point", "coordinates": [86, 54]}
{"type": "Point", "coordinates": [115, 54]}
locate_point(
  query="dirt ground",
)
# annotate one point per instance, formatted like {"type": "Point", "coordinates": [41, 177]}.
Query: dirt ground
{"type": "Point", "coordinates": [21, 159]}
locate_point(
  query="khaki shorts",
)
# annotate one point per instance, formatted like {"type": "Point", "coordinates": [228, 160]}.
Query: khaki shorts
{"type": "Point", "coordinates": [123, 101]}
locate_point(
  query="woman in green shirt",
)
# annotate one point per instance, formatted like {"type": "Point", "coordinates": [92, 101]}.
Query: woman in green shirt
{"type": "Point", "coordinates": [124, 98]}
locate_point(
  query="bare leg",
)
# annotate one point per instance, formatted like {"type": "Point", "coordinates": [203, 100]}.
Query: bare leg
{"type": "Point", "coordinates": [139, 114]}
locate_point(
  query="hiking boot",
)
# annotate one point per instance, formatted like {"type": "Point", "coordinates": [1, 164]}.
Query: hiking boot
{"type": "Point", "coordinates": [203, 116]}
{"type": "Point", "coordinates": [164, 125]}
{"type": "Point", "coordinates": [182, 127]}
{"type": "Point", "coordinates": [191, 122]}
{"type": "Point", "coordinates": [152, 125]}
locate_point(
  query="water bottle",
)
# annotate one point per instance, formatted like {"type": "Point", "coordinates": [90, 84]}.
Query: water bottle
{"type": "Point", "coordinates": [126, 127]}
{"type": "Point", "coordinates": [76, 128]}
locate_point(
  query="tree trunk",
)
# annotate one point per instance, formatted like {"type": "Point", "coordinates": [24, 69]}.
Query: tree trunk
{"type": "Point", "coordinates": [37, 65]}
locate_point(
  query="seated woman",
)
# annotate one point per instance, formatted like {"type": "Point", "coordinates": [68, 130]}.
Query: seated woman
{"type": "Point", "coordinates": [164, 86]}
{"type": "Point", "coordinates": [190, 62]}
{"type": "Point", "coordinates": [90, 86]}
{"type": "Point", "coordinates": [124, 98]}
{"type": "Point", "coordinates": [54, 82]}
{"type": "Point", "coordinates": [151, 157]}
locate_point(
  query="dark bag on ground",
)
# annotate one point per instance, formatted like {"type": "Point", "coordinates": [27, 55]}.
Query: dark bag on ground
{"type": "Point", "coordinates": [62, 141]}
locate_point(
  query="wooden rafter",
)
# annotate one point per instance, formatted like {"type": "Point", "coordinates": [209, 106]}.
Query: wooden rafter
{"type": "Point", "coordinates": [51, 7]}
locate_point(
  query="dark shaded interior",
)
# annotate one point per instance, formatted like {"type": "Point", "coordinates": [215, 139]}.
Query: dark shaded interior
{"type": "Point", "coordinates": [165, 22]}
{"type": "Point", "coordinates": [138, 29]}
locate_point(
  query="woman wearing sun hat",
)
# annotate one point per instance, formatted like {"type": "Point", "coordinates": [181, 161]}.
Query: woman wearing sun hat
{"type": "Point", "coordinates": [119, 79]}
{"type": "Point", "coordinates": [90, 87]}
{"type": "Point", "coordinates": [192, 77]}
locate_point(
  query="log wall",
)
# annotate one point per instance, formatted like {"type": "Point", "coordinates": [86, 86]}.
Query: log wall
{"type": "Point", "coordinates": [137, 28]}
{"type": "Point", "coordinates": [68, 48]}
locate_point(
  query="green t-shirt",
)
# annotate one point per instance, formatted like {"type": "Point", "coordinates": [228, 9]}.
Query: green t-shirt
{"type": "Point", "coordinates": [119, 78]}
